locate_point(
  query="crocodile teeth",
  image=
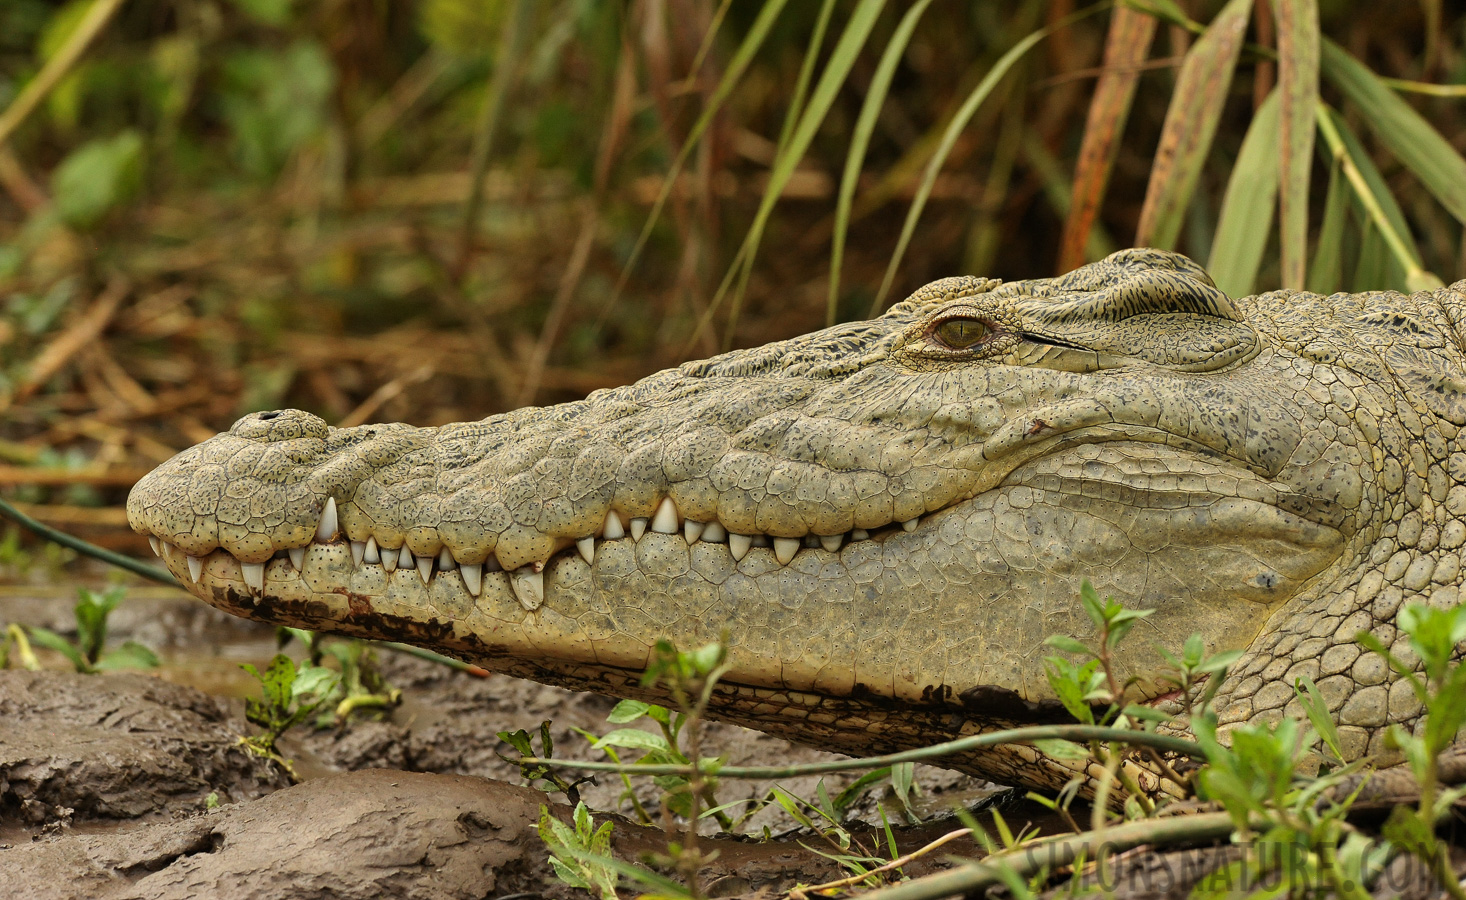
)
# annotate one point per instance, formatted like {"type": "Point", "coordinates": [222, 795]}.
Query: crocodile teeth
{"type": "Point", "coordinates": [692, 530]}
{"type": "Point", "coordinates": [425, 568]}
{"type": "Point", "coordinates": [405, 559]}
{"type": "Point", "coordinates": [613, 530]}
{"type": "Point", "coordinates": [389, 558]}
{"type": "Point", "coordinates": [195, 568]}
{"type": "Point", "coordinates": [369, 552]}
{"type": "Point", "coordinates": [910, 524]}
{"type": "Point", "coordinates": [715, 533]}
{"type": "Point", "coordinates": [638, 527]}
{"type": "Point", "coordinates": [587, 548]}
{"type": "Point", "coordinates": [327, 529]}
{"type": "Point", "coordinates": [358, 552]}
{"type": "Point", "coordinates": [156, 544]}
{"type": "Point", "coordinates": [254, 576]}
{"type": "Point", "coordinates": [473, 577]}
{"type": "Point", "coordinates": [665, 521]}
{"type": "Point", "coordinates": [860, 534]}
{"type": "Point", "coordinates": [784, 549]}
{"type": "Point", "coordinates": [830, 542]}
{"type": "Point", "coordinates": [738, 545]}
{"type": "Point", "coordinates": [297, 557]}
{"type": "Point", "coordinates": [529, 586]}
{"type": "Point", "coordinates": [445, 560]}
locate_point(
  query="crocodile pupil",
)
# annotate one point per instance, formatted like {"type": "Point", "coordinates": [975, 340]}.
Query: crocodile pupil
{"type": "Point", "coordinates": [959, 334]}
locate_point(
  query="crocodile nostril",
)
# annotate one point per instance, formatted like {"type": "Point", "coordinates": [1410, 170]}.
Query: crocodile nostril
{"type": "Point", "coordinates": [270, 415]}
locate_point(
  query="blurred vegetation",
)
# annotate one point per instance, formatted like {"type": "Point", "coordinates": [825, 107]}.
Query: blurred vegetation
{"type": "Point", "coordinates": [432, 210]}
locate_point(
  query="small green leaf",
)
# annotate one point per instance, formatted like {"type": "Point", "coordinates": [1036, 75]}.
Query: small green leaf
{"type": "Point", "coordinates": [633, 738]}
{"type": "Point", "coordinates": [130, 655]}
{"type": "Point", "coordinates": [1068, 645]}
{"type": "Point", "coordinates": [1318, 714]}
{"type": "Point", "coordinates": [627, 711]}
{"type": "Point", "coordinates": [97, 177]}
{"type": "Point", "coordinates": [53, 641]}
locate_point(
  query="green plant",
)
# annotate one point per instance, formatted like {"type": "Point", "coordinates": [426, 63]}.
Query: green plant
{"type": "Point", "coordinates": [288, 697]}
{"type": "Point", "coordinates": [1440, 686]}
{"type": "Point", "coordinates": [577, 854]}
{"type": "Point", "coordinates": [361, 685]}
{"type": "Point", "coordinates": [89, 653]}
{"type": "Point", "coordinates": [541, 771]}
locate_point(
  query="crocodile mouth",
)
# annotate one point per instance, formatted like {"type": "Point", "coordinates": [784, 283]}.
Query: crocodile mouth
{"type": "Point", "coordinates": [1138, 466]}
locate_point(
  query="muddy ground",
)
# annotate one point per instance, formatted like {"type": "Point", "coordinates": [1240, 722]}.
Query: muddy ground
{"type": "Point", "coordinates": [133, 785]}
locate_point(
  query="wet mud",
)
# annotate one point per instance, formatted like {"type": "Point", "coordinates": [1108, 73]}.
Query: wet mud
{"type": "Point", "coordinates": [133, 785]}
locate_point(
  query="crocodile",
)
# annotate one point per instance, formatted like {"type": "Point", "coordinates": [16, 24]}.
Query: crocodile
{"type": "Point", "coordinates": [885, 519]}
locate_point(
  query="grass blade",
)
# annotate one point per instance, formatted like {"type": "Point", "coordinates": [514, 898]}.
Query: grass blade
{"type": "Point", "coordinates": [1247, 207]}
{"type": "Point", "coordinates": [1373, 194]}
{"type": "Point", "coordinates": [1126, 46]}
{"type": "Point", "coordinates": [1328, 257]}
{"type": "Point", "coordinates": [949, 137]}
{"type": "Point", "coordinates": [1298, 39]}
{"type": "Point", "coordinates": [1191, 123]}
{"type": "Point", "coordinates": [865, 124]}
{"type": "Point", "coordinates": [1402, 130]}
{"type": "Point", "coordinates": [842, 58]}
{"type": "Point", "coordinates": [757, 32]}
{"type": "Point", "coordinates": [806, 72]}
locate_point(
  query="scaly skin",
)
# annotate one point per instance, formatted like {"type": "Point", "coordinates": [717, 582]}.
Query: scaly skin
{"type": "Point", "coordinates": [1276, 473]}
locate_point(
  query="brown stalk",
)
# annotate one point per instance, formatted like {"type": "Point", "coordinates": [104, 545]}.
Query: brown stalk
{"type": "Point", "coordinates": [86, 329]}
{"type": "Point", "coordinates": [1126, 46]}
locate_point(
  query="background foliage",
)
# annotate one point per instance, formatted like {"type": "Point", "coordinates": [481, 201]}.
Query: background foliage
{"type": "Point", "coordinates": [431, 210]}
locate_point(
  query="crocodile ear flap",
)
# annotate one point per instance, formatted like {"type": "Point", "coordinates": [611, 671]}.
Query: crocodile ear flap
{"type": "Point", "coordinates": [1434, 381]}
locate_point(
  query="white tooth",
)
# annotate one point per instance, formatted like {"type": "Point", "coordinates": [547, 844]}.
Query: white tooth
{"type": "Point", "coordinates": [389, 558]}
{"type": "Point", "coordinates": [830, 542]}
{"type": "Point", "coordinates": [613, 530]}
{"type": "Point", "coordinates": [473, 577]}
{"type": "Point", "coordinates": [638, 527]}
{"type": "Point", "coordinates": [358, 552]}
{"type": "Point", "coordinates": [738, 545]}
{"type": "Point", "coordinates": [167, 550]}
{"type": "Point", "coordinates": [715, 533]}
{"type": "Point", "coordinates": [445, 560]}
{"type": "Point", "coordinates": [665, 521]}
{"type": "Point", "coordinates": [156, 544]}
{"type": "Point", "coordinates": [692, 530]}
{"type": "Point", "coordinates": [492, 565]}
{"type": "Point", "coordinates": [297, 557]}
{"type": "Point", "coordinates": [529, 586]}
{"type": "Point", "coordinates": [425, 568]}
{"type": "Point", "coordinates": [254, 576]}
{"type": "Point", "coordinates": [405, 559]}
{"type": "Point", "coordinates": [860, 534]}
{"type": "Point", "coordinates": [195, 567]}
{"type": "Point", "coordinates": [369, 553]}
{"type": "Point", "coordinates": [910, 524]}
{"type": "Point", "coordinates": [784, 549]}
{"type": "Point", "coordinates": [587, 548]}
{"type": "Point", "coordinates": [327, 529]}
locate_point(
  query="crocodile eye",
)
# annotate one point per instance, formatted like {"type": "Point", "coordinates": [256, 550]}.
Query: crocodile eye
{"type": "Point", "coordinates": [960, 333]}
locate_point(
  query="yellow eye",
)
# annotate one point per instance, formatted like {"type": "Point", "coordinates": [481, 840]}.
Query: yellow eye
{"type": "Point", "coordinates": [960, 334]}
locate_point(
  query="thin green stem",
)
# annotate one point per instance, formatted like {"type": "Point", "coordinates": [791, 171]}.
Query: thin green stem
{"type": "Point", "coordinates": [80, 546]}
{"type": "Point", "coordinates": [1081, 733]}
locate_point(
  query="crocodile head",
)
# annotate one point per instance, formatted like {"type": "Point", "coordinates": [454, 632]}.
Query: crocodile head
{"type": "Point", "coordinates": [885, 519]}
